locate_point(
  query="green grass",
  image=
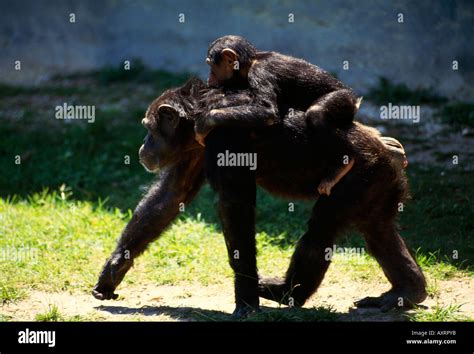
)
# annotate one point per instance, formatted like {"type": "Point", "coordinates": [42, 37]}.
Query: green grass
{"type": "Point", "coordinates": [72, 238]}
{"type": "Point", "coordinates": [8, 90]}
{"type": "Point", "coordinates": [433, 288]}
{"type": "Point", "coordinates": [440, 217]}
{"type": "Point", "coordinates": [4, 318]}
{"type": "Point", "coordinates": [458, 114]}
{"type": "Point", "coordinates": [316, 314]}
{"type": "Point", "coordinates": [9, 293]}
{"type": "Point", "coordinates": [387, 91]}
{"type": "Point", "coordinates": [438, 313]}
{"type": "Point", "coordinates": [71, 196]}
{"type": "Point", "coordinates": [69, 241]}
{"type": "Point", "coordinates": [52, 315]}
{"type": "Point", "coordinates": [90, 158]}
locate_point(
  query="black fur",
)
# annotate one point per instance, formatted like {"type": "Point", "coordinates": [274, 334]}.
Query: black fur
{"type": "Point", "coordinates": [292, 160]}
{"type": "Point", "coordinates": [280, 82]}
{"type": "Point", "coordinates": [245, 50]}
{"type": "Point", "coordinates": [277, 85]}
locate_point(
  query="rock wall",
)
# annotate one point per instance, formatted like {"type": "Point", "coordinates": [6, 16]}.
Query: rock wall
{"type": "Point", "coordinates": [419, 52]}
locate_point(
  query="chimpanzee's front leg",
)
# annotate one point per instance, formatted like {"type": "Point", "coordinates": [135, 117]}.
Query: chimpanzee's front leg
{"type": "Point", "coordinates": [178, 184]}
{"type": "Point", "coordinates": [236, 187]}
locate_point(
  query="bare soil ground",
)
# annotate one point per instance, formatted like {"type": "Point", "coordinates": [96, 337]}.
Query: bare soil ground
{"type": "Point", "coordinates": [194, 302]}
{"type": "Point", "coordinates": [429, 142]}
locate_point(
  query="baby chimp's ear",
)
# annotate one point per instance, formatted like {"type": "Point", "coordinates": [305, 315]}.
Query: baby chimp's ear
{"type": "Point", "coordinates": [229, 55]}
{"type": "Point", "coordinates": [166, 109]}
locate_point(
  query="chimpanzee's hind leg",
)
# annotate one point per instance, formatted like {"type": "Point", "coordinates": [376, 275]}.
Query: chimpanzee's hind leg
{"type": "Point", "coordinates": [401, 269]}
{"type": "Point", "coordinates": [311, 258]}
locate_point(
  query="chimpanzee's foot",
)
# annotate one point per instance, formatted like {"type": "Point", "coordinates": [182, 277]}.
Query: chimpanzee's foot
{"type": "Point", "coordinates": [394, 299]}
{"type": "Point", "coordinates": [112, 274]}
{"type": "Point", "coordinates": [277, 290]}
{"type": "Point", "coordinates": [271, 289]}
{"type": "Point", "coordinates": [243, 311]}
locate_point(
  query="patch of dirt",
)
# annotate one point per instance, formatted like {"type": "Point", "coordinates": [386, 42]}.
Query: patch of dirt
{"type": "Point", "coordinates": [193, 302]}
{"type": "Point", "coordinates": [428, 142]}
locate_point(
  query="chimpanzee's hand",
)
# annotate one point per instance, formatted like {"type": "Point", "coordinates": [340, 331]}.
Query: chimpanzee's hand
{"type": "Point", "coordinates": [112, 274]}
{"type": "Point", "coordinates": [204, 125]}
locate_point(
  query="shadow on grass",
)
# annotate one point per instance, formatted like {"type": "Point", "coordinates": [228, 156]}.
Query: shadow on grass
{"type": "Point", "coordinates": [268, 314]}
{"type": "Point", "coordinates": [177, 313]}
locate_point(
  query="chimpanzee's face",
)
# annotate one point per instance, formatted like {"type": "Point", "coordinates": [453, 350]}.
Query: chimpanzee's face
{"type": "Point", "coordinates": [161, 121]}
{"type": "Point", "coordinates": [220, 73]}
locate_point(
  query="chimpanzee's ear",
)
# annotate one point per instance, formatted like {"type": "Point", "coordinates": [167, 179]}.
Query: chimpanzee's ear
{"type": "Point", "coordinates": [229, 55]}
{"type": "Point", "coordinates": [168, 118]}
{"type": "Point", "coordinates": [166, 109]}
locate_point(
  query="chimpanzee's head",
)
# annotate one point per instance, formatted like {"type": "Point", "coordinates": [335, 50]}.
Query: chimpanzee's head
{"type": "Point", "coordinates": [228, 57]}
{"type": "Point", "coordinates": [170, 131]}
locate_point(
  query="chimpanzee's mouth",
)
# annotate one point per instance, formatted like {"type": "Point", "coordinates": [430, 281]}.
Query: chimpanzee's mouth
{"type": "Point", "coordinates": [211, 81]}
{"type": "Point", "coordinates": [153, 169]}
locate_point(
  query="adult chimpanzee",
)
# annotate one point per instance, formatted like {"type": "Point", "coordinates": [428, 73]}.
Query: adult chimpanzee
{"type": "Point", "coordinates": [366, 198]}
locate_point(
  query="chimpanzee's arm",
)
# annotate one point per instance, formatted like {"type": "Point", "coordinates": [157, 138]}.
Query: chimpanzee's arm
{"type": "Point", "coordinates": [260, 111]}
{"type": "Point", "coordinates": [178, 184]}
{"type": "Point", "coordinates": [250, 116]}
{"type": "Point", "coordinates": [242, 116]}
{"type": "Point", "coordinates": [240, 110]}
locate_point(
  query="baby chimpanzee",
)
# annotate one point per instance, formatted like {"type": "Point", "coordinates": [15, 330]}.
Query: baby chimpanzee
{"type": "Point", "coordinates": [276, 86]}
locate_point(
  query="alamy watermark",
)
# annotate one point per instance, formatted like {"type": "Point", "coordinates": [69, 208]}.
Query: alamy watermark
{"type": "Point", "coordinates": [23, 253]}
{"type": "Point", "coordinates": [66, 111]}
{"type": "Point", "coordinates": [240, 159]}
{"type": "Point", "coordinates": [392, 111]}
{"type": "Point", "coordinates": [357, 253]}
{"type": "Point", "coordinates": [37, 337]}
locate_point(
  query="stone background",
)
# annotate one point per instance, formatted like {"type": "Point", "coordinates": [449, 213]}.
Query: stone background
{"type": "Point", "coordinates": [418, 52]}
